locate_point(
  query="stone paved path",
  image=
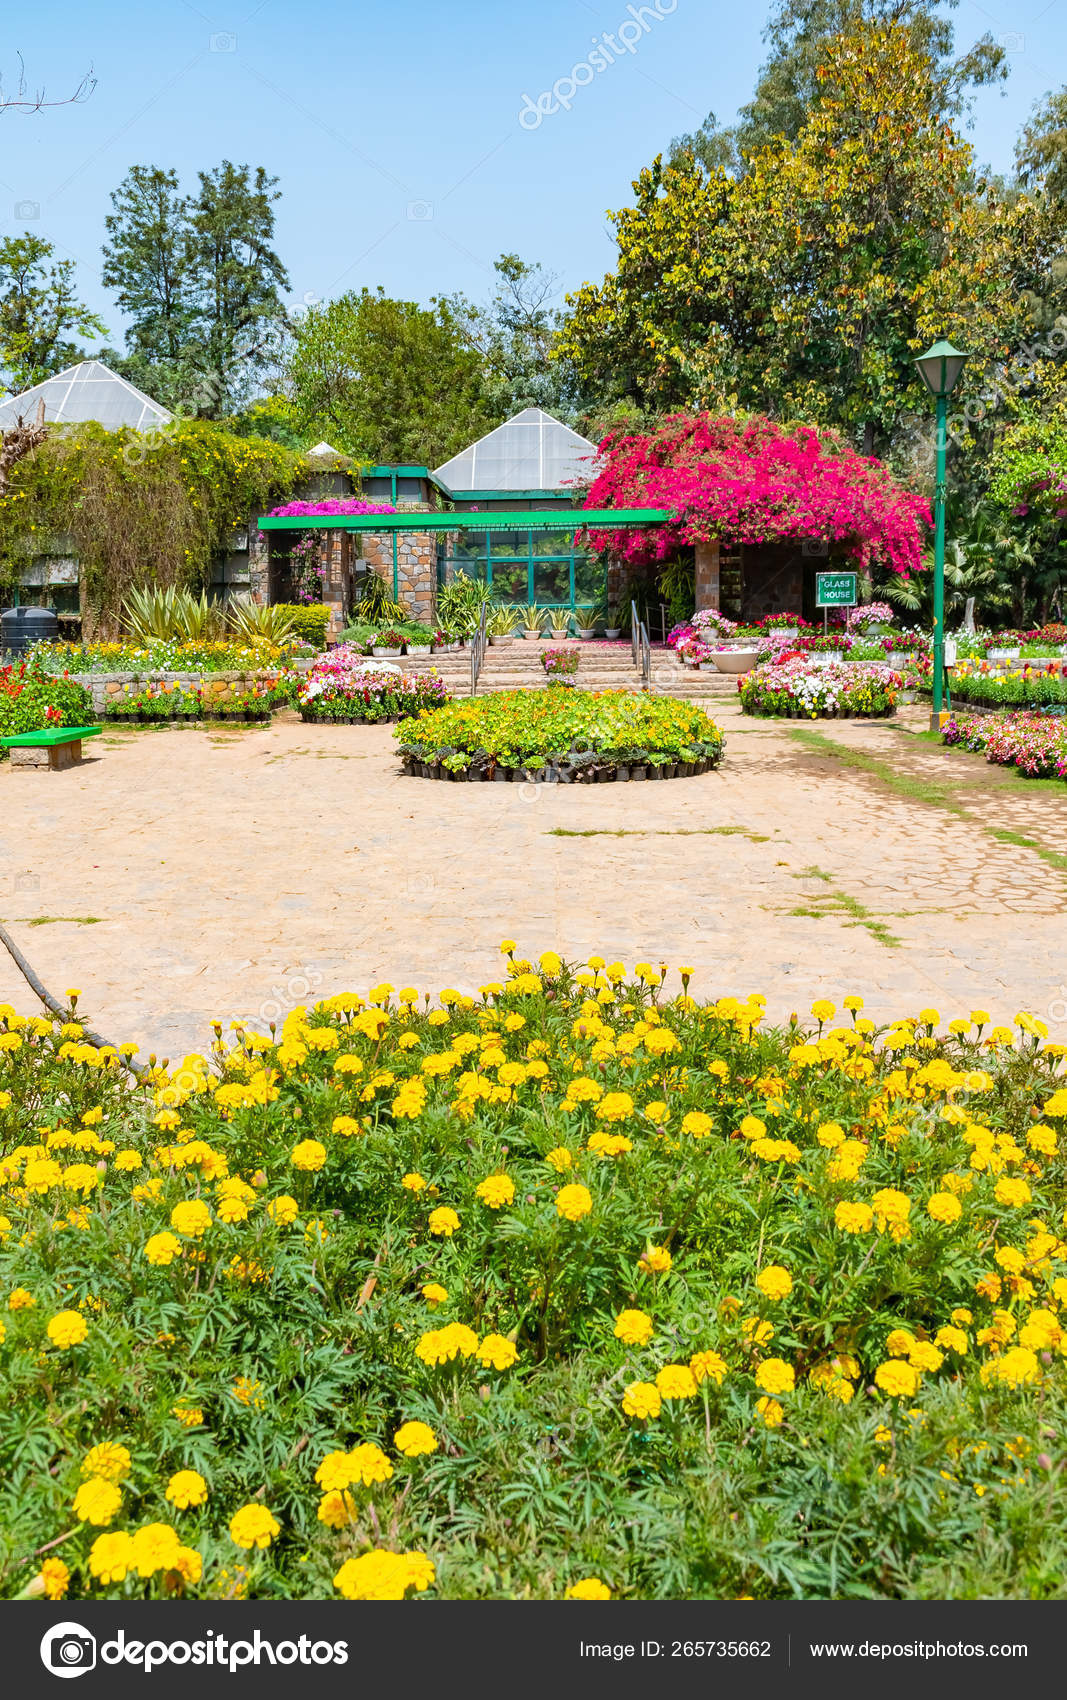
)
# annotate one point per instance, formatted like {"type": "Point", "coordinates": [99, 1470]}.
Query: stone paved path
{"type": "Point", "coordinates": [240, 872]}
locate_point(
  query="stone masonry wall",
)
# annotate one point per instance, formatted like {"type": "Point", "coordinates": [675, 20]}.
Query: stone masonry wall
{"type": "Point", "coordinates": [416, 560]}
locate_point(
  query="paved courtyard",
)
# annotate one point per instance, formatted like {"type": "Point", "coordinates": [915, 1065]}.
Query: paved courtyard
{"type": "Point", "coordinates": [182, 875]}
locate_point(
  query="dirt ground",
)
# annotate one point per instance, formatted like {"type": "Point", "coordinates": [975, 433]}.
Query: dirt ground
{"type": "Point", "coordinates": [186, 874]}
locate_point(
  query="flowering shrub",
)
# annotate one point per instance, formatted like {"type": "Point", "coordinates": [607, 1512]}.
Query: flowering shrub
{"type": "Point", "coordinates": [339, 505]}
{"type": "Point", "coordinates": [303, 1316]}
{"type": "Point", "coordinates": [343, 686]}
{"type": "Point", "coordinates": [171, 656]}
{"type": "Point", "coordinates": [1034, 743]}
{"type": "Point", "coordinates": [710, 623]}
{"type": "Point", "coordinates": [752, 481]}
{"type": "Point", "coordinates": [568, 734]}
{"type": "Point", "coordinates": [791, 622]}
{"type": "Point", "coordinates": [795, 686]}
{"type": "Point", "coordinates": [1027, 685]}
{"type": "Point", "coordinates": [155, 702]}
{"type": "Point", "coordinates": [871, 614]}
{"type": "Point", "coordinates": [32, 699]}
{"type": "Point", "coordinates": [560, 663]}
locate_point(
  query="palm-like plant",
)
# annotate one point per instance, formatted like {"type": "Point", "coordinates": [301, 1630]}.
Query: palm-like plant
{"type": "Point", "coordinates": [257, 624]}
{"type": "Point", "coordinates": [533, 618]}
{"type": "Point", "coordinates": [152, 613]}
{"type": "Point", "coordinates": [503, 619]}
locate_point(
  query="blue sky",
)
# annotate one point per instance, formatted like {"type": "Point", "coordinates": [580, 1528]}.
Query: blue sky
{"type": "Point", "coordinates": [395, 129]}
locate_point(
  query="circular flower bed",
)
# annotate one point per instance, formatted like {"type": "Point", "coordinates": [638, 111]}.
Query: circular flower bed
{"type": "Point", "coordinates": [561, 735]}
{"type": "Point", "coordinates": [297, 1318]}
{"type": "Point", "coordinates": [799, 689]}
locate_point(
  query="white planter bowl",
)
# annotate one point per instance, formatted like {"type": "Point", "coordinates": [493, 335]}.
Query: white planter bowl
{"type": "Point", "coordinates": [616, 631]}
{"type": "Point", "coordinates": [533, 633]}
{"type": "Point", "coordinates": [380, 650]}
{"type": "Point", "coordinates": [500, 638]}
{"type": "Point", "coordinates": [734, 660]}
{"type": "Point", "coordinates": [420, 649]}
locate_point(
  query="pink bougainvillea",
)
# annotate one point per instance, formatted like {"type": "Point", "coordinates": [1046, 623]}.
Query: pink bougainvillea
{"type": "Point", "coordinates": [333, 505]}
{"type": "Point", "coordinates": [752, 481]}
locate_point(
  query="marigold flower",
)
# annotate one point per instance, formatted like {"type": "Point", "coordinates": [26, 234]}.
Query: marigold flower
{"type": "Point", "coordinates": [283, 1210]}
{"type": "Point", "coordinates": [589, 1588]}
{"type": "Point", "coordinates": [55, 1578]}
{"type": "Point", "coordinates": [253, 1526]}
{"type": "Point", "coordinates": [573, 1202]}
{"type": "Point", "coordinates": [336, 1509]}
{"type": "Point", "coordinates": [774, 1281]}
{"type": "Point", "coordinates": [434, 1293]}
{"type": "Point", "coordinates": [1015, 1367]}
{"type": "Point", "coordinates": [944, 1207]}
{"type": "Point", "coordinates": [68, 1328]}
{"type": "Point", "coordinates": [497, 1352]}
{"type": "Point", "coordinates": [191, 1218]}
{"type": "Point", "coordinates": [443, 1221]}
{"type": "Point", "coordinates": [642, 1400]}
{"type": "Point", "coordinates": [633, 1327]}
{"type": "Point", "coordinates": [708, 1366]}
{"type": "Point", "coordinates": [382, 1575]}
{"type": "Point", "coordinates": [108, 1460]}
{"type": "Point", "coordinates": [852, 1217]}
{"type": "Point", "coordinates": [186, 1488]}
{"type": "Point", "coordinates": [900, 1380]}
{"type": "Point", "coordinates": [774, 1375]}
{"type": "Point", "coordinates": [655, 1260]}
{"type": "Point", "coordinates": [771, 1412]}
{"type": "Point", "coordinates": [559, 1158]}
{"type": "Point", "coordinates": [614, 1107]}
{"type": "Point", "coordinates": [1012, 1192]}
{"type": "Point", "coordinates": [441, 1345]}
{"type": "Point", "coordinates": [309, 1156]}
{"type": "Point", "coordinates": [97, 1501]}
{"type": "Point", "coordinates": [415, 1439]}
{"type": "Point", "coordinates": [21, 1298]}
{"type": "Point", "coordinates": [496, 1191]}
{"type": "Point", "coordinates": [154, 1547]}
{"type": "Point", "coordinates": [413, 1182]}
{"type": "Point", "coordinates": [676, 1381]}
{"type": "Point", "coordinates": [110, 1557]}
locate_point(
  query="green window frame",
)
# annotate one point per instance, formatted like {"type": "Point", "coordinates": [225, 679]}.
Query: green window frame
{"type": "Point", "coordinates": [478, 561]}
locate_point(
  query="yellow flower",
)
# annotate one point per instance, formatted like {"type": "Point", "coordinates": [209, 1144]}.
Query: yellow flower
{"type": "Point", "coordinates": [1015, 1367]}
{"type": "Point", "coordinates": [336, 1509]}
{"type": "Point", "coordinates": [155, 1546]}
{"type": "Point", "coordinates": [413, 1182]}
{"type": "Point", "coordinates": [186, 1488]}
{"type": "Point", "coordinates": [55, 1578]}
{"type": "Point", "coordinates": [442, 1345]}
{"type": "Point", "coordinates": [283, 1210]}
{"type": "Point", "coordinates": [110, 1557]}
{"type": "Point", "coordinates": [190, 1416]}
{"type": "Point", "coordinates": [495, 1191]}
{"type": "Point", "coordinates": [573, 1202]}
{"type": "Point", "coordinates": [642, 1400]}
{"type": "Point", "coordinates": [771, 1412]}
{"type": "Point", "coordinates": [774, 1375]}
{"type": "Point", "coordinates": [497, 1352]}
{"type": "Point", "coordinates": [97, 1501]}
{"type": "Point", "coordinates": [309, 1156]}
{"type": "Point", "coordinates": [696, 1123]}
{"type": "Point", "coordinates": [380, 1575]}
{"type": "Point", "coordinates": [614, 1107]}
{"type": "Point", "coordinates": [253, 1526]}
{"type": "Point", "coordinates": [1011, 1191]}
{"type": "Point", "coordinates": [68, 1328]}
{"type": "Point", "coordinates": [443, 1221]}
{"type": "Point", "coordinates": [944, 1207]}
{"type": "Point", "coordinates": [899, 1380]}
{"type": "Point", "coordinates": [774, 1281]}
{"type": "Point", "coordinates": [633, 1327]}
{"type": "Point", "coordinates": [192, 1218]}
{"type": "Point", "coordinates": [414, 1439]}
{"type": "Point", "coordinates": [853, 1217]}
{"type": "Point", "coordinates": [655, 1260]}
{"type": "Point", "coordinates": [109, 1461]}
{"type": "Point", "coordinates": [21, 1299]}
{"type": "Point", "coordinates": [676, 1381]}
{"type": "Point", "coordinates": [708, 1366]}
{"type": "Point", "coordinates": [589, 1588]}
{"type": "Point", "coordinates": [369, 1464]}
{"type": "Point", "coordinates": [559, 1158]}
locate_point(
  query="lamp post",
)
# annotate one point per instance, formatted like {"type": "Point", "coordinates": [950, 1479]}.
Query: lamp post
{"type": "Point", "coordinates": [939, 368]}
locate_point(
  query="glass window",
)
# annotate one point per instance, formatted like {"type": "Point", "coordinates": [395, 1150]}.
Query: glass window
{"type": "Point", "coordinates": [552, 542]}
{"type": "Point", "coordinates": [513, 544]}
{"type": "Point", "coordinates": [467, 546]}
{"type": "Point", "coordinates": [552, 583]}
{"type": "Point", "coordinates": [590, 578]}
{"type": "Point", "coordinates": [510, 580]}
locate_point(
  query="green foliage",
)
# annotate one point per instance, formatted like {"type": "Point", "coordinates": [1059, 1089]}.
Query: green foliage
{"type": "Point", "coordinates": [459, 604]}
{"type": "Point", "coordinates": [253, 622]}
{"type": "Point", "coordinates": [512, 337]}
{"type": "Point", "coordinates": [32, 698]}
{"type": "Point", "coordinates": [375, 606]}
{"type": "Point", "coordinates": [308, 621]}
{"type": "Point", "coordinates": [387, 381]}
{"type": "Point", "coordinates": [39, 313]}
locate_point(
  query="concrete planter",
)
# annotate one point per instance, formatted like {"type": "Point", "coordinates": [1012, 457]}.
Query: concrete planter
{"type": "Point", "coordinates": [734, 660]}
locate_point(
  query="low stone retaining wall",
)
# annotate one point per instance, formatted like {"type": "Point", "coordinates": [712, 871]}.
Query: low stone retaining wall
{"type": "Point", "coordinates": [217, 688]}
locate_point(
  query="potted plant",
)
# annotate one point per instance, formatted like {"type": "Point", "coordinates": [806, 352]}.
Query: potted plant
{"type": "Point", "coordinates": [418, 640]}
{"type": "Point", "coordinates": [388, 643]}
{"type": "Point", "coordinates": [560, 623]}
{"type": "Point", "coordinates": [502, 623]}
{"type": "Point", "coordinates": [533, 621]}
{"type": "Point", "coordinates": [560, 665]}
{"type": "Point", "coordinates": [586, 618]}
{"type": "Point", "coordinates": [613, 629]}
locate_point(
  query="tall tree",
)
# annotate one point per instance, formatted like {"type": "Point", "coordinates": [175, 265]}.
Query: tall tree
{"type": "Point", "coordinates": [40, 313]}
{"type": "Point", "coordinates": [513, 338]}
{"type": "Point", "coordinates": [1041, 150]}
{"type": "Point", "coordinates": [149, 262]}
{"type": "Point", "coordinates": [239, 279]}
{"type": "Point", "coordinates": [387, 380]}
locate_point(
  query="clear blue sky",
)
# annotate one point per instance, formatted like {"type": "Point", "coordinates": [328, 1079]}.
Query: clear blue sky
{"type": "Point", "coordinates": [394, 128]}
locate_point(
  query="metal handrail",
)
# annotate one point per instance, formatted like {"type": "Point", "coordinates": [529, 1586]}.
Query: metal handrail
{"type": "Point", "coordinates": [641, 647]}
{"type": "Point", "coordinates": [478, 643]}
{"type": "Point", "coordinates": [635, 631]}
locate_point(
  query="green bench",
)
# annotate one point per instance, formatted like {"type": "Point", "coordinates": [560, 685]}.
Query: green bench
{"type": "Point", "coordinates": [56, 749]}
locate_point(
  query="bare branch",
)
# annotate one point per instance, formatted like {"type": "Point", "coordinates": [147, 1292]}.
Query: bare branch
{"type": "Point", "coordinates": [23, 101]}
{"type": "Point", "coordinates": [20, 440]}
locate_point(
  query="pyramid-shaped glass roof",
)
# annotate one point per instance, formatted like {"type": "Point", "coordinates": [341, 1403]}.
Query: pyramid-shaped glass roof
{"type": "Point", "coordinates": [533, 451]}
{"type": "Point", "coordinates": [89, 391]}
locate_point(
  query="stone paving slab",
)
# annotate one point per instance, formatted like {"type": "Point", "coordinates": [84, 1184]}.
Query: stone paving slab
{"type": "Point", "coordinates": [191, 873]}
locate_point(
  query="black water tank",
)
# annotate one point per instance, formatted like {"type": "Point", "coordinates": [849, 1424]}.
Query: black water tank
{"type": "Point", "coordinates": [21, 628]}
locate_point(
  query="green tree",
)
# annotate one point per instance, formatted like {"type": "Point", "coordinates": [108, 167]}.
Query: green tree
{"type": "Point", "coordinates": [1041, 149]}
{"type": "Point", "coordinates": [238, 280]}
{"type": "Point", "coordinates": [387, 380]}
{"type": "Point", "coordinates": [149, 262]}
{"type": "Point", "coordinates": [513, 338]}
{"type": "Point", "coordinates": [40, 313]}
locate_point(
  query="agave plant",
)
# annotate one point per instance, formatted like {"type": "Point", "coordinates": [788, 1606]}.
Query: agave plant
{"type": "Point", "coordinates": [503, 619]}
{"type": "Point", "coordinates": [152, 613]}
{"type": "Point", "coordinates": [533, 618]}
{"type": "Point", "coordinates": [376, 607]}
{"type": "Point", "coordinates": [459, 604]}
{"type": "Point", "coordinates": [198, 618]}
{"type": "Point", "coordinates": [256, 624]}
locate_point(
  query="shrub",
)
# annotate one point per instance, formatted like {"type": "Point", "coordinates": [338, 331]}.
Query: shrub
{"type": "Point", "coordinates": [572, 1277]}
{"type": "Point", "coordinates": [309, 622]}
{"type": "Point", "coordinates": [31, 699]}
{"type": "Point", "coordinates": [1034, 743]}
{"type": "Point", "coordinates": [795, 686]}
{"type": "Point", "coordinates": [343, 686]}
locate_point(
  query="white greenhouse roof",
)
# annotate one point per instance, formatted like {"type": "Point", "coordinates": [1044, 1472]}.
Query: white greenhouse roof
{"type": "Point", "coordinates": [533, 451]}
{"type": "Point", "coordinates": [89, 391]}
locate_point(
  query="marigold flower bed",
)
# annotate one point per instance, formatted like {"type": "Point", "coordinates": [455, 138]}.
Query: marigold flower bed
{"type": "Point", "coordinates": [577, 1287]}
{"type": "Point", "coordinates": [798, 688]}
{"type": "Point", "coordinates": [561, 734]}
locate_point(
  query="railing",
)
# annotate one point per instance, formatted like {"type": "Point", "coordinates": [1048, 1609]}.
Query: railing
{"type": "Point", "coordinates": [641, 647]}
{"type": "Point", "coordinates": [478, 643]}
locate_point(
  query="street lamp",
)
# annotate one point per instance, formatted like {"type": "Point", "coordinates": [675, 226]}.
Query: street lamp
{"type": "Point", "coordinates": [939, 368]}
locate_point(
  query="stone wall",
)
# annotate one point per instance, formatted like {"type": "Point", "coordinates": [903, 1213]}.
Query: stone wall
{"type": "Point", "coordinates": [706, 575]}
{"type": "Point", "coordinates": [216, 687]}
{"type": "Point", "coordinates": [416, 561]}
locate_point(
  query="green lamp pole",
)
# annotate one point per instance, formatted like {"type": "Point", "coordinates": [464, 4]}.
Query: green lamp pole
{"type": "Point", "coordinates": [939, 368]}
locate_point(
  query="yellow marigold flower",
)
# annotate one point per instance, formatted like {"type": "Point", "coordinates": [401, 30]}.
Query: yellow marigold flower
{"type": "Point", "coordinates": [1012, 1192]}
{"type": "Point", "coordinates": [614, 1107]}
{"type": "Point", "coordinates": [336, 1509]}
{"type": "Point", "coordinates": [369, 1464]}
{"type": "Point", "coordinates": [695, 1122]}
{"type": "Point", "coordinates": [382, 1575]}
{"type": "Point", "coordinates": [756, 1331]}
{"type": "Point", "coordinates": [186, 1488]}
{"type": "Point", "coordinates": [633, 1327]}
{"type": "Point", "coordinates": [951, 1340]}
{"type": "Point", "coordinates": [774, 1375]}
{"type": "Point", "coordinates": [1040, 1332]}
{"type": "Point", "coordinates": [110, 1557]}
{"type": "Point", "coordinates": [676, 1381]}
{"type": "Point", "coordinates": [900, 1342]}
{"type": "Point", "coordinates": [752, 1128]}
{"type": "Point", "coordinates": [414, 1439]}
{"type": "Point", "coordinates": [309, 1156]}
{"type": "Point", "coordinates": [1015, 1367]}
{"type": "Point", "coordinates": [109, 1461]}
{"type": "Point", "coordinates": [190, 1416]}
{"type": "Point", "coordinates": [774, 1281]}
{"type": "Point", "coordinates": [900, 1380]}
{"type": "Point", "coordinates": [642, 1400]}
{"type": "Point", "coordinates": [335, 1471]}
{"type": "Point", "coordinates": [127, 1161]}
{"type": "Point", "coordinates": [188, 1564]}
{"type": "Point", "coordinates": [231, 1210]}
{"type": "Point", "coordinates": [434, 1293]}
{"type": "Point", "coordinates": [655, 1260]}
{"type": "Point", "coordinates": [162, 1249]}
{"type": "Point", "coordinates": [253, 1526]}
{"type": "Point", "coordinates": [413, 1182]}
{"type": "Point", "coordinates": [771, 1412]}
{"type": "Point", "coordinates": [346, 1127]}
{"type": "Point", "coordinates": [708, 1366]}
{"type": "Point", "coordinates": [496, 1191]}
{"type": "Point", "coordinates": [192, 1218]}
{"type": "Point", "coordinates": [944, 1207]}
{"type": "Point", "coordinates": [441, 1345]}
{"type": "Point", "coordinates": [497, 1352]}
{"type": "Point", "coordinates": [988, 1287]}
{"type": "Point", "coordinates": [924, 1356]}
{"type": "Point", "coordinates": [852, 1217]}
{"type": "Point", "coordinates": [823, 1010]}
{"type": "Point", "coordinates": [155, 1547]}
{"type": "Point", "coordinates": [582, 1090]}
{"type": "Point", "coordinates": [283, 1210]}
{"type": "Point", "coordinates": [573, 1202]}
{"type": "Point", "coordinates": [589, 1588]}
{"type": "Point", "coordinates": [68, 1328]}
{"type": "Point", "coordinates": [55, 1578]}
{"type": "Point", "coordinates": [20, 1298]}
{"type": "Point", "coordinates": [830, 1135]}
{"type": "Point", "coordinates": [443, 1221]}
{"type": "Point", "coordinates": [97, 1501]}
{"type": "Point", "coordinates": [559, 1158]}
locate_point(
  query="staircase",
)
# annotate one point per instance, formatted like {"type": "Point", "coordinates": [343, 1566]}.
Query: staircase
{"type": "Point", "coordinates": [602, 667]}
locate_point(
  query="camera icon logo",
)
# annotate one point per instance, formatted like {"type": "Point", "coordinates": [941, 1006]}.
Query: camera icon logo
{"type": "Point", "coordinates": [27, 882]}
{"type": "Point", "coordinates": [420, 210]}
{"type": "Point", "coordinates": [814, 546]}
{"type": "Point", "coordinates": [1012, 42]}
{"type": "Point", "coordinates": [68, 1649]}
{"type": "Point", "coordinates": [27, 210]}
{"type": "Point", "coordinates": [223, 41]}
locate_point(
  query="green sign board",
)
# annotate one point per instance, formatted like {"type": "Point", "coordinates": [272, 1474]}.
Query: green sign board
{"type": "Point", "coordinates": [835, 590]}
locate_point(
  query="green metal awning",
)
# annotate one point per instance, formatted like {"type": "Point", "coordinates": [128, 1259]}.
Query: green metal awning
{"type": "Point", "coordinates": [535, 519]}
